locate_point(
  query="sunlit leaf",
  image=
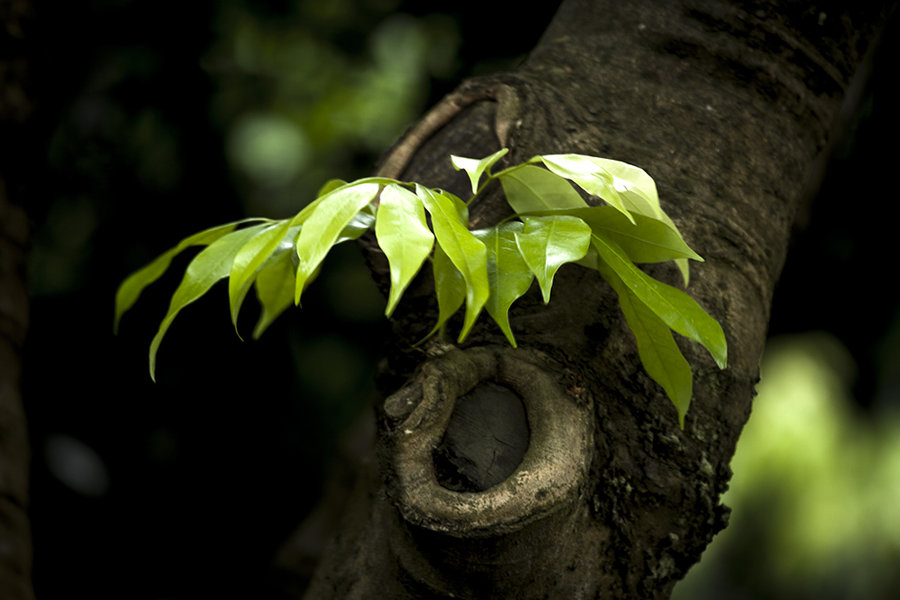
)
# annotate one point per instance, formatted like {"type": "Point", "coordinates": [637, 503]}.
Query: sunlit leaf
{"type": "Point", "coordinates": [402, 232]}
{"type": "Point", "coordinates": [546, 243]}
{"type": "Point", "coordinates": [358, 225]}
{"type": "Point", "coordinates": [475, 168]}
{"type": "Point", "coordinates": [324, 225]}
{"type": "Point", "coordinates": [275, 289]}
{"type": "Point", "coordinates": [638, 193]}
{"type": "Point", "coordinates": [331, 187]}
{"type": "Point", "coordinates": [212, 264]}
{"type": "Point", "coordinates": [590, 176]}
{"type": "Point", "coordinates": [464, 250]}
{"type": "Point", "coordinates": [134, 284]}
{"type": "Point", "coordinates": [533, 189]}
{"type": "Point", "coordinates": [659, 354]}
{"type": "Point", "coordinates": [635, 189]}
{"type": "Point", "coordinates": [247, 262]}
{"type": "Point", "coordinates": [489, 268]}
{"type": "Point", "coordinates": [678, 310]}
{"type": "Point", "coordinates": [644, 239]}
{"type": "Point", "coordinates": [508, 274]}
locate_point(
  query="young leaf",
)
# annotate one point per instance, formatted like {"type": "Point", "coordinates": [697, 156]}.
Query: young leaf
{"type": "Point", "coordinates": [644, 239]}
{"type": "Point", "coordinates": [678, 310]}
{"type": "Point", "coordinates": [475, 168]}
{"type": "Point", "coordinates": [589, 176]}
{"type": "Point", "coordinates": [449, 287]}
{"type": "Point", "coordinates": [508, 274]}
{"type": "Point", "coordinates": [274, 289]}
{"type": "Point", "coordinates": [464, 250]}
{"type": "Point", "coordinates": [638, 193]}
{"type": "Point", "coordinates": [533, 189]}
{"type": "Point", "coordinates": [659, 354]}
{"type": "Point", "coordinates": [548, 242]}
{"type": "Point", "coordinates": [403, 234]}
{"type": "Point", "coordinates": [208, 267]}
{"type": "Point", "coordinates": [248, 260]}
{"type": "Point", "coordinates": [635, 187]}
{"type": "Point", "coordinates": [336, 186]}
{"type": "Point", "coordinates": [324, 225]}
{"type": "Point", "coordinates": [134, 284]}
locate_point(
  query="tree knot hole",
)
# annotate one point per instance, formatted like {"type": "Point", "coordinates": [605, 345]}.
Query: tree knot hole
{"type": "Point", "coordinates": [485, 440]}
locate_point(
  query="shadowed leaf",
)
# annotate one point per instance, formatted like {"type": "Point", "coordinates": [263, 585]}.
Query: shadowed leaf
{"type": "Point", "coordinates": [275, 290]}
{"type": "Point", "coordinates": [659, 354]}
{"type": "Point", "coordinates": [208, 267]}
{"type": "Point", "coordinates": [134, 284]}
{"type": "Point", "coordinates": [644, 239]}
{"type": "Point", "coordinates": [464, 250]}
{"type": "Point", "coordinates": [678, 310]}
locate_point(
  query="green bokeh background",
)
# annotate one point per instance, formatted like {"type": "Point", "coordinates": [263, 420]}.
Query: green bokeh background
{"type": "Point", "coordinates": [158, 119]}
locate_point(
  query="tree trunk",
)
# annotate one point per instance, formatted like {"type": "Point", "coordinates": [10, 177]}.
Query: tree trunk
{"type": "Point", "coordinates": [558, 470]}
{"type": "Point", "coordinates": [15, 110]}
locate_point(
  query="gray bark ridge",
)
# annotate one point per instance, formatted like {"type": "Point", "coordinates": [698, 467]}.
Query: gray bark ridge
{"type": "Point", "coordinates": [726, 105]}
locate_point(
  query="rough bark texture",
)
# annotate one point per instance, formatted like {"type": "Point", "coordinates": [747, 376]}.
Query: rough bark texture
{"type": "Point", "coordinates": [15, 108]}
{"type": "Point", "coordinates": [726, 105]}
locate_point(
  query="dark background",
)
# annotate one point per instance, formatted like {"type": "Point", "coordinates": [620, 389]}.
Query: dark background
{"type": "Point", "coordinates": [145, 114]}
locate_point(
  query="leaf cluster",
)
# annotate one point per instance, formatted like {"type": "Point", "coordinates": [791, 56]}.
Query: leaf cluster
{"type": "Point", "coordinates": [486, 269]}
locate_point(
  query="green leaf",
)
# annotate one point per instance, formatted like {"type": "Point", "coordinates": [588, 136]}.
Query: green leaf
{"type": "Point", "coordinates": [678, 310]}
{"type": "Point", "coordinates": [208, 267]}
{"type": "Point", "coordinates": [589, 175]}
{"type": "Point", "coordinates": [274, 289]}
{"type": "Point", "coordinates": [134, 284]}
{"type": "Point", "coordinates": [324, 225]}
{"type": "Point", "coordinates": [475, 168]}
{"type": "Point", "coordinates": [659, 354]}
{"type": "Point", "coordinates": [548, 242]}
{"type": "Point", "coordinates": [358, 225]}
{"type": "Point", "coordinates": [509, 276]}
{"type": "Point", "coordinates": [533, 189]}
{"type": "Point", "coordinates": [644, 239]}
{"type": "Point", "coordinates": [464, 250]}
{"type": "Point", "coordinates": [638, 193]}
{"type": "Point", "coordinates": [329, 186]}
{"type": "Point", "coordinates": [403, 234]}
{"type": "Point", "coordinates": [635, 188]}
{"type": "Point", "coordinates": [247, 262]}
{"type": "Point", "coordinates": [449, 287]}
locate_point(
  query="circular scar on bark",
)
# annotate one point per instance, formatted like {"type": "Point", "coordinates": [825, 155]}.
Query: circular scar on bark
{"type": "Point", "coordinates": [485, 441]}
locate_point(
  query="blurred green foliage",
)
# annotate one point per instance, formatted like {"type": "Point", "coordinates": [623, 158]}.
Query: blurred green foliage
{"type": "Point", "coordinates": [816, 487]}
{"type": "Point", "coordinates": [303, 94]}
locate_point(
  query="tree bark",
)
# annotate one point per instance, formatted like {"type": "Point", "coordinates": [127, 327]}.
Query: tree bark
{"type": "Point", "coordinates": [15, 110]}
{"type": "Point", "coordinates": [726, 105]}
